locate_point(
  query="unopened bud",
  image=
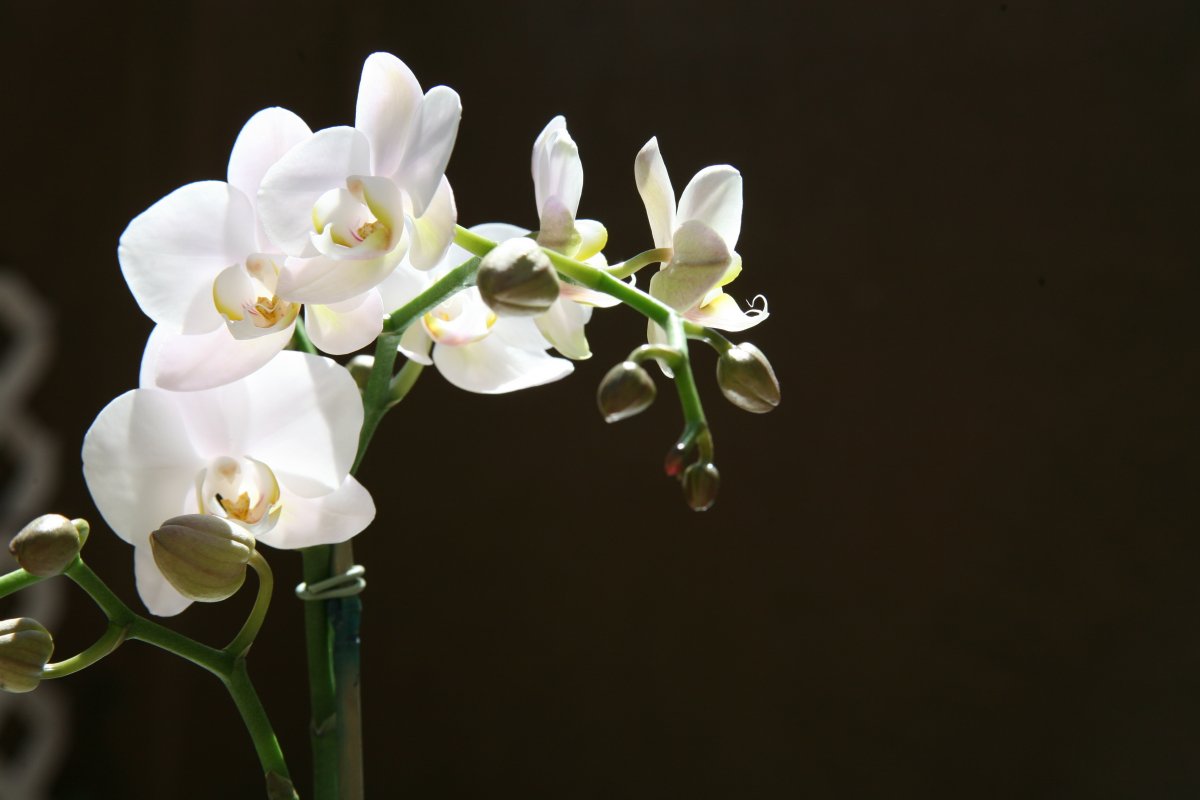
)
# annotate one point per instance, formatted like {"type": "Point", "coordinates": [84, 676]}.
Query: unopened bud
{"type": "Point", "coordinates": [626, 389]}
{"type": "Point", "coordinates": [204, 557]}
{"type": "Point", "coordinates": [360, 368]}
{"type": "Point", "coordinates": [700, 485]}
{"type": "Point", "coordinates": [48, 545]}
{"type": "Point", "coordinates": [516, 279]}
{"type": "Point", "coordinates": [678, 457]}
{"type": "Point", "coordinates": [25, 647]}
{"type": "Point", "coordinates": [747, 380]}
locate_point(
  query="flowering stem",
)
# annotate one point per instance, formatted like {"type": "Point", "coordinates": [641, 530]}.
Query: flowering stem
{"type": "Point", "coordinates": [230, 669]}
{"type": "Point", "coordinates": [332, 626]}
{"type": "Point", "coordinates": [712, 338]}
{"type": "Point", "coordinates": [262, 601]}
{"type": "Point", "coordinates": [695, 425]}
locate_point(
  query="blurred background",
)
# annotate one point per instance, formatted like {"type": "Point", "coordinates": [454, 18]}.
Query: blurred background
{"type": "Point", "coordinates": [959, 560]}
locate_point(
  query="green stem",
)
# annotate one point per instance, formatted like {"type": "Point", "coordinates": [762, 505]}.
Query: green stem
{"type": "Point", "coordinates": [629, 267]}
{"type": "Point", "coordinates": [270, 756]}
{"type": "Point", "coordinates": [714, 339]}
{"type": "Point", "coordinates": [262, 601]}
{"type": "Point", "coordinates": [114, 637]}
{"type": "Point", "coordinates": [321, 695]}
{"type": "Point", "coordinates": [17, 580]}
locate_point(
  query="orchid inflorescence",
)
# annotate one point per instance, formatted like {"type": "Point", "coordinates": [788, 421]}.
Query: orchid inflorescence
{"type": "Point", "coordinates": [242, 432]}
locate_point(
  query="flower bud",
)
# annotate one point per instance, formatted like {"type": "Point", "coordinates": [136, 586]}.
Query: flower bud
{"type": "Point", "coordinates": [25, 647]}
{"type": "Point", "coordinates": [204, 557]}
{"type": "Point", "coordinates": [48, 545]}
{"type": "Point", "coordinates": [700, 484]}
{"type": "Point", "coordinates": [626, 389]}
{"type": "Point", "coordinates": [747, 380]}
{"type": "Point", "coordinates": [516, 279]}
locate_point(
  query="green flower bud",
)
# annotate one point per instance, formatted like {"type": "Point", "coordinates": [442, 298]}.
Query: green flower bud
{"type": "Point", "coordinates": [48, 545]}
{"type": "Point", "coordinates": [204, 557]}
{"type": "Point", "coordinates": [700, 485]}
{"type": "Point", "coordinates": [280, 788]}
{"type": "Point", "coordinates": [747, 380]}
{"type": "Point", "coordinates": [516, 279]}
{"type": "Point", "coordinates": [626, 389]}
{"type": "Point", "coordinates": [25, 647]}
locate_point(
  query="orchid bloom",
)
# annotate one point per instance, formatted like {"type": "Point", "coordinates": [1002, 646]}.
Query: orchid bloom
{"type": "Point", "coordinates": [271, 452]}
{"type": "Point", "coordinates": [200, 265]}
{"type": "Point", "coordinates": [700, 235]}
{"type": "Point", "coordinates": [348, 204]}
{"type": "Point", "coordinates": [471, 346]}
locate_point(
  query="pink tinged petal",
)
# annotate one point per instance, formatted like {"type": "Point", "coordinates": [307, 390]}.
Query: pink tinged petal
{"type": "Point", "coordinates": [325, 280]}
{"type": "Point", "coordinates": [264, 139]}
{"type": "Point", "coordinates": [714, 197]}
{"type": "Point", "coordinates": [460, 320]}
{"type": "Point", "coordinates": [326, 519]}
{"type": "Point", "coordinates": [184, 362]}
{"type": "Point", "coordinates": [300, 415]}
{"type": "Point", "coordinates": [415, 344]}
{"type": "Point", "coordinates": [433, 232]}
{"type": "Point", "coordinates": [293, 185]}
{"type": "Point", "coordinates": [427, 151]}
{"type": "Point", "coordinates": [388, 99]}
{"type": "Point", "coordinates": [563, 325]}
{"type": "Point", "coordinates": [172, 251]}
{"type": "Point", "coordinates": [592, 238]}
{"type": "Point", "coordinates": [557, 170]}
{"type": "Point", "coordinates": [344, 327]}
{"type": "Point", "coordinates": [492, 366]}
{"type": "Point", "coordinates": [654, 185]}
{"type": "Point", "coordinates": [723, 314]}
{"type": "Point", "coordinates": [139, 462]}
{"type": "Point", "coordinates": [160, 597]}
{"type": "Point", "coordinates": [699, 262]}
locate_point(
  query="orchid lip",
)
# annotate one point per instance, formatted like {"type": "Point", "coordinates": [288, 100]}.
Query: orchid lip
{"type": "Point", "coordinates": [241, 490]}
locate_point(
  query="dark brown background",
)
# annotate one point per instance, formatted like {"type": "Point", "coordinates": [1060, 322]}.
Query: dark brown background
{"type": "Point", "coordinates": [959, 561]}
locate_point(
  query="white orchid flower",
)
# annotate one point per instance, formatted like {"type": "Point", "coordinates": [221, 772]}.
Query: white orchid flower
{"type": "Point", "coordinates": [471, 346]}
{"type": "Point", "coordinates": [557, 187]}
{"type": "Point", "coordinates": [348, 204]}
{"type": "Point", "coordinates": [701, 235]}
{"type": "Point", "coordinates": [200, 265]}
{"type": "Point", "coordinates": [271, 452]}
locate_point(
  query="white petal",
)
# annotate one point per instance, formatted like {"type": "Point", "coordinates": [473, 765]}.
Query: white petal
{"type": "Point", "coordinates": [563, 325]}
{"type": "Point", "coordinates": [723, 314]}
{"type": "Point", "coordinates": [557, 170]}
{"type": "Point", "coordinates": [491, 366]}
{"type": "Point", "coordinates": [300, 415]}
{"type": "Point", "coordinates": [139, 462]}
{"type": "Point", "coordinates": [432, 233]}
{"type": "Point", "coordinates": [388, 98]}
{"type": "Point", "coordinates": [401, 286]}
{"type": "Point", "coordinates": [327, 519]}
{"type": "Point", "coordinates": [520, 332]}
{"type": "Point", "coordinates": [656, 335]}
{"type": "Point", "coordinates": [263, 140]}
{"type": "Point", "coordinates": [586, 296]}
{"type": "Point", "coordinates": [415, 344]}
{"type": "Point", "coordinates": [344, 327]}
{"type": "Point", "coordinates": [184, 362]}
{"type": "Point", "coordinates": [654, 185]}
{"type": "Point", "coordinates": [294, 184]}
{"type": "Point", "coordinates": [172, 251]}
{"type": "Point", "coordinates": [321, 279]}
{"type": "Point", "coordinates": [427, 151]}
{"type": "Point", "coordinates": [714, 197]}
{"type": "Point", "coordinates": [700, 261]}
{"type": "Point", "coordinates": [160, 597]}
